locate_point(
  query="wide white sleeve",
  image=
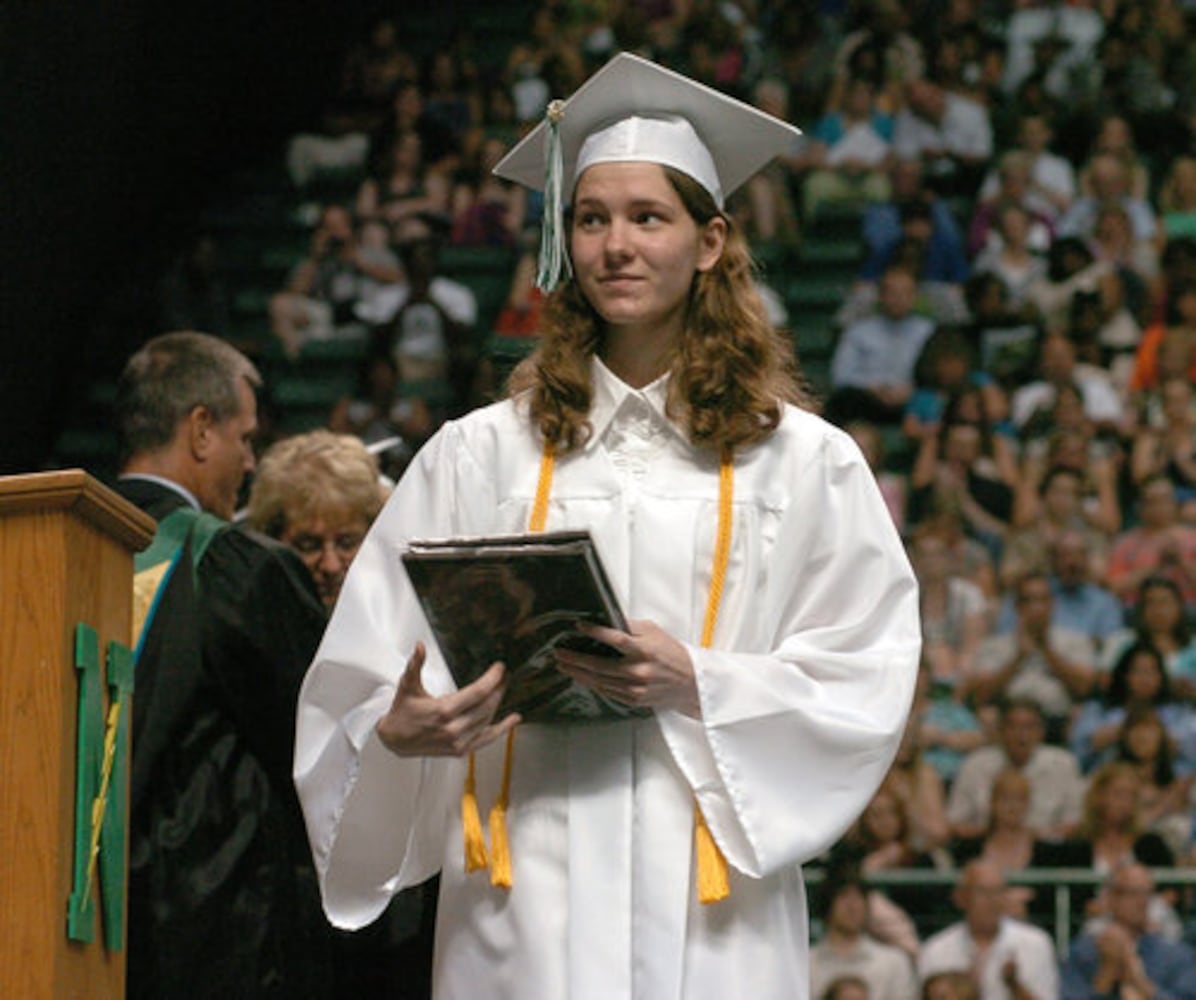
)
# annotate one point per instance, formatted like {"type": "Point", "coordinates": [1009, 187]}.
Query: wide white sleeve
{"type": "Point", "coordinates": [792, 743]}
{"type": "Point", "coordinates": [377, 822]}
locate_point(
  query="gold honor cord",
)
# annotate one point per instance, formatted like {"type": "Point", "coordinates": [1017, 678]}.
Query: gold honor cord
{"type": "Point", "coordinates": [712, 879]}
{"type": "Point", "coordinates": [100, 803]}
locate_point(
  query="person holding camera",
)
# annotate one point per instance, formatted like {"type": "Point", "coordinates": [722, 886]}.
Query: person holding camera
{"type": "Point", "coordinates": [341, 269]}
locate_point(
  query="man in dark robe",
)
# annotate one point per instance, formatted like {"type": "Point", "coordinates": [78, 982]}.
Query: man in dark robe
{"type": "Point", "coordinates": [222, 896]}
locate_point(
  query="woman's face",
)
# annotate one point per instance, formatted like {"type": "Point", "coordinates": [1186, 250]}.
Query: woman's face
{"type": "Point", "coordinates": [882, 819]}
{"type": "Point", "coordinates": [1119, 799]}
{"type": "Point", "coordinates": [1145, 739]}
{"type": "Point", "coordinates": [1142, 680]}
{"type": "Point", "coordinates": [326, 541]}
{"type": "Point", "coordinates": [636, 248]}
{"type": "Point", "coordinates": [962, 444]}
{"type": "Point", "coordinates": [1161, 609]}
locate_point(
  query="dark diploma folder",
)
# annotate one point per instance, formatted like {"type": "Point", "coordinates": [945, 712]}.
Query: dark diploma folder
{"type": "Point", "coordinates": [516, 598]}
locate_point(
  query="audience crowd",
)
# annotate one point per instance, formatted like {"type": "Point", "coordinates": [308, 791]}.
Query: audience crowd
{"type": "Point", "coordinates": [1015, 355]}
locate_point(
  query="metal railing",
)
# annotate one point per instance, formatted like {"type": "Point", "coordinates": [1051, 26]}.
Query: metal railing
{"type": "Point", "coordinates": [1062, 880]}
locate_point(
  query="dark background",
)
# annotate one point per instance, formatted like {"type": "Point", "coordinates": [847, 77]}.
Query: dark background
{"type": "Point", "coordinates": [120, 123]}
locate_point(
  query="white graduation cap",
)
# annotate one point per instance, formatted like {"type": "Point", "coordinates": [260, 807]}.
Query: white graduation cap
{"type": "Point", "coordinates": [633, 110]}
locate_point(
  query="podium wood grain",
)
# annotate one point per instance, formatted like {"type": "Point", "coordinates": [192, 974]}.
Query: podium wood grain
{"type": "Point", "coordinates": [66, 556]}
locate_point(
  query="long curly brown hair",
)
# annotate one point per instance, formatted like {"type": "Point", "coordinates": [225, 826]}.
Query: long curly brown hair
{"type": "Point", "coordinates": [731, 370]}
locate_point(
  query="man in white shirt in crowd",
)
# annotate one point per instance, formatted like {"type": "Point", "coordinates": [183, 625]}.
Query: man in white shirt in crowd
{"type": "Point", "coordinates": [951, 134]}
{"type": "Point", "coordinates": [872, 371]}
{"type": "Point", "coordinates": [1007, 959]}
{"type": "Point", "coordinates": [1056, 787]}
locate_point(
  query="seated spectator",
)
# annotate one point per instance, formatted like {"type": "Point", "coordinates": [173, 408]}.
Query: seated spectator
{"type": "Point", "coordinates": [894, 486]}
{"type": "Point", "coordinates": [1136, 261]}
{"type": "Point", "coordinates": [1169, 449]}
{"type": "Point", "coordinates": [1072, 32]}
{"type": "Point", "coordinates": [1159, 619]}
{"type": "Point", "coordinates": [451, 96]}
{"type": "Point", "coordinates": [1103, 329]}
{"type": "Point", "coordinates": [1013, 187]}
{"type": "Point", "coordinates": [949, 986]}
{"type": "Point", "coordinates": [1052, 177]}
{"type": "Point", "coordinates": [1177, 200]}
{"type": "Point", "coordinates": [915, 779]}
{"type": "Point", "coordinates": [882, 50]}
{"type": "Point", "coordinates": [486, 209]}
{"type": "Point", "coordinates": [941, 301]}
{"type": "Point", "coordinates": [873, 365]}
{"type": "Point", "coordinates": [1138, 680]}
{"type": "Point", "coordinates": [1127, 957]}
{"type": "Point", "coordinates": [1058, 366]}
{"type": "Point", "coordinates": [882, 840]}
{"type": "Point", "coordinates": [1055, 784]}
{"type": "Point", "coordinates": [427, 323]}
{"type": "Point", "coordinates": [1109, 182]}
{"type": "Point", "coordinates": [954, 614]}
{"type": "Point", "coordinates": [947, 730]}
{"type": "Point", "coordinates": [946, 368]}
{"type": "Point", "coordinates": [1049, 664]}
{"type": "Point", "coordinates": [1160, 544]}
{"type": "Point", "coordinates": [1115, 138]}
{"type": "Point", "coordinates": [849, 153]}
{"type": "Point", "coordinates": [402, 187]}
{"type": "Point", "coordinates": [1011, 845]}
{"type": "Point", "coordinates": [318, 493]}
{"type": "Point", "coordinates": [193, 294]}
{"type": "Point", "coordinates": [1146, 743]}
{"type": "Point", "coordinates": [377, 412]}
{"type": "Point", "coordinates": [1005, 957]}
{"type": "Point", "coordinates": [1054, 509]}
{"type": "Point", "coordinates": [1006, 338]}
{"type": "Point", "coordinates": [846, 988]}
{"type": "Point", "coordinates": [1072, 269]}
{"type": "Point", "coordinates": [1174, 336]}
{"type": "Point", "coordinates": [970, 558]}
{"type": "Point", "coordinates": [1008, 253]}
{"type": "Point", "coordinates": [339, 273]}
{"type": "Point", "coordinates": [950, 133]}
{"type": "Point", "coordinates": [1079, 604]}
{"type": "Point", "coordinates": [847, 949]}
{"type": "Point", "coordinates": [969, 465]}
{"type": "Point", "coordinates": [886, 223]}
{"type": "Point", "coordinates": [439, 148]}
{"type": "Point", "coordinates": [1065, 438]}
{"type": "Point", "coordinates": [1111, 831]}
{"type": "Point", "coordinates": [369, 74]}
{"type": "Point", "coordinates": [765, 206]}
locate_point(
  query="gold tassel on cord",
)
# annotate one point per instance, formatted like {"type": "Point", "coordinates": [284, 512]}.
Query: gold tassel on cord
{"type": "Point", "coordinates": [471, 824]}
{"type": "Point", "coordinates": [713, 883]}
{"type": "Point", "coordinates": [500, 847]}
{"type": "Point", "coordinates": [499, 859]}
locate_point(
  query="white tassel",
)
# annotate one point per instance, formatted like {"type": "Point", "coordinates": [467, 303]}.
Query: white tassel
{"type": "Point", "coordinates": [553, 256]}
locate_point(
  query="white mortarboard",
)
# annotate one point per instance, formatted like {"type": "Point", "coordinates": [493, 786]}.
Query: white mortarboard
{"type": "Point", "coordinates": [633, 110]}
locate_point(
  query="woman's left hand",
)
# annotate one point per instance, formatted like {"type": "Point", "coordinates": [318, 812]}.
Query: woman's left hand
{"type": "Point", "coordinates": [653, 669]}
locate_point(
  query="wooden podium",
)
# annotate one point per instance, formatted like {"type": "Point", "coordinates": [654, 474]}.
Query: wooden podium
{"type": "Point", "coordinates": [66, 594]}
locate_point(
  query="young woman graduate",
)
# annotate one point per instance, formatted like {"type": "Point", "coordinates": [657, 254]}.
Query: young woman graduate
{"type": "Point", "coordinates": [773, 637]}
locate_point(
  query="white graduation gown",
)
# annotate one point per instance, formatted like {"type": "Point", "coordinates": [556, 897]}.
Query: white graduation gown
{"type": "Point", "coordinates": [804, 695]}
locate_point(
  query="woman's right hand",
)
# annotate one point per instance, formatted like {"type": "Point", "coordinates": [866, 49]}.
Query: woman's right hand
{"type": "Point", "coordinates": [422, 725]}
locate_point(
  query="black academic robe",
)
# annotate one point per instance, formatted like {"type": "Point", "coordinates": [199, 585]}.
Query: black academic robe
{"type": "Point", "coordinates": [222, 897]}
